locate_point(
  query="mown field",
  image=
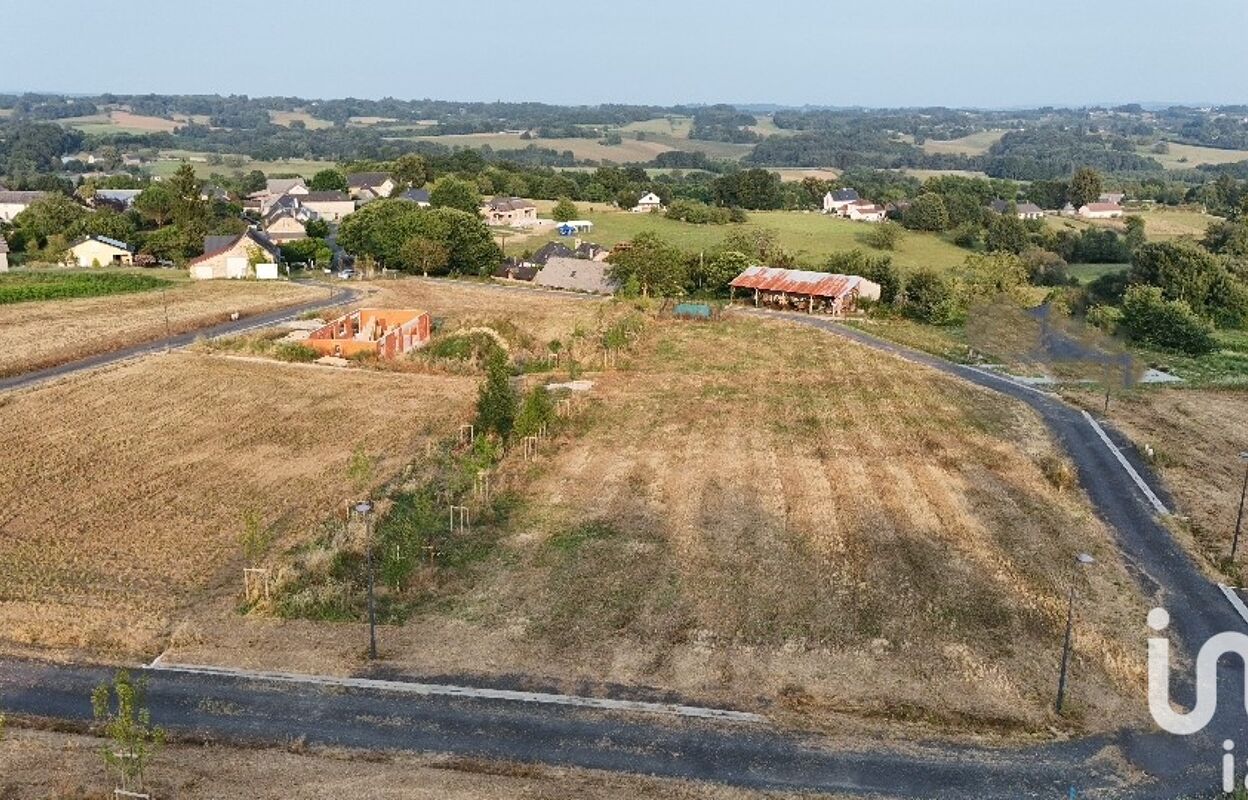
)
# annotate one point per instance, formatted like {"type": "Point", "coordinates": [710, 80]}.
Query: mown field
{"type": "Point", "coordinates": [1161, 223]}
{"type": "Point", "coordinates": [976, 144]}
{"type": "Point", "coordinates": [170, 162]}
{"type": "Point", "coordinates": [629, 150]}
{"type": "Point", "coordinates": [120, 121]}
{"type": "Point", "coordinates": [41, 334]}
{"type": "Point", "coordinates": [1185, 156]}
{"type": "Point", "coordinates": [711, 522]}
{"type": "Point", "coordinates": [309, 121]}
{"type": "Point", "coordinates": [126, 489]}
{"type": "Point", "coordinates": [813, 236]}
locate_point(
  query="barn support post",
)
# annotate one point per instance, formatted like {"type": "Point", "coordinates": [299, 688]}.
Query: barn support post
{"type": "Point", "coordinates": [756, 298]}
{"type": "Point", "coordinates": [810, 307]}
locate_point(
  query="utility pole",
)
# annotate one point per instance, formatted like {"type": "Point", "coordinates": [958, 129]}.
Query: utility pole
{"type": "Point", "coordinates": [1081, 559]}
{"type": "Point", "coordinates": [364, 509]}
{"type": "Point", "coordinates": [164, 301]}
{"type": "Point", "coordinates": [1239, 518]}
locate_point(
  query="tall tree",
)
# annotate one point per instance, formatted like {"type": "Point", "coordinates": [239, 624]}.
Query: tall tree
{"type": "Point", "coordinates": [452, 192]}
{"type": "Point", "coordinates": [564, 210]}
{"type": "Point", "coordinates": [1085, 187]}
{"type": "Point", "coordinates": [427, 255]}
{"type": "Point", "coordinates": [656, 266]}
{"type": "Point", "coordinates": [496, 400]}
{"type": "Point", "coordinates": [328, 180]}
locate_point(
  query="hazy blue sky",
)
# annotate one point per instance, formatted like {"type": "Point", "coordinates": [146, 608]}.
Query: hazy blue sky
{"type": "Point", "coordinates": [824, 52]}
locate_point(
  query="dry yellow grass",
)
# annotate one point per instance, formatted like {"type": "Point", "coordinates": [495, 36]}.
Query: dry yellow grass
{"type": "Point", "coordinates": [764, 516]}
{"type": "Point", "coordinates": [973, 145]}
{"type": "Point", "coordinates": [41, 334]}
{"type": "Point", "coordinates": [128, 119]}
{"type": "Point", "coordinates": [627, 151]}
{"type": "Point", "coordinates": [1196, 435]}
{"type": "Point", "coordinates": [124, 491]}
{"type": "Point", "coordinates": [287, 117]}
{"type": "Point", "coordinates": [35, 766]}
{"type": "Point", "coordinates": [462, 305]}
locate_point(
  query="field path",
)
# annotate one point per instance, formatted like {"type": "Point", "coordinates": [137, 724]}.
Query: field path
{"type": "Point", "coordinates": [335, 297]}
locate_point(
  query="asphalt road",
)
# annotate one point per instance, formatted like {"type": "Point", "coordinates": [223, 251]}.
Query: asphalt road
{"type": "Point", "coordinates": [236, 709]}
{"type": "Point", "coordinates": [334, 296]}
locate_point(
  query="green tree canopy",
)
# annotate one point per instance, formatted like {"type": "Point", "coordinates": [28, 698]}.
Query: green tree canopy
{"type": "Point", "coordinates": [381, 228]}
{"type": "Point", "coordinates": [452, 192]}
{"type": "Point", "coordinates": [328, 180]}
{"type": "Point", "coordinates": [425, 254]}
{"type": "Point", "coordinates": [1085, 187]}
{"type": "Point", "coordinates": [656, 266]}
{"type": "Point", "coordinates": [565, 210]}
{"type": "Point", "coordinates": [496, 399]}
{"type": "Point", "coordinates": [927, 213]}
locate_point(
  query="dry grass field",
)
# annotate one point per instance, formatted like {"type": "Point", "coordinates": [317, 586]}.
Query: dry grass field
{"type": "Point", "coordinates": [976, 144]}
{"type": "Point", "coordinates": [1196, 435]}
{"type": "Point", "coordinates": [1161, 223]}
{"type": "Point", "coordinates": [121, 121]}
{"type": "Point", "coordinates": [1186, 156]}
{"type": "Point", "coordinates": [287, 117]}
{"type": "Point", "coordinates": [124, 490]}
{"type": "Point", "coordinates": [769, 517]}
{"type": "Point", "coordinates": [35, 765]}
{"type": "Point", "coordinates": [45, 333]}
{"type": "Point", "coordinates": [627, 151]}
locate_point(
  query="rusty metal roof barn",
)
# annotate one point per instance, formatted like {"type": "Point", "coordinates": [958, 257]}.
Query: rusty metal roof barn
{"type": "Point", "coordinates": [804, 282]}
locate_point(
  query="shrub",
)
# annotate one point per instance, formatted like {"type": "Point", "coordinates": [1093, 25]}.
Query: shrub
{"type": "Point", "coordinates": [967, 235]}
{"type": "Point", "coordinates": [1045, 268]}
{"type": "Point", "coordinates": [294, 352]}
{"type": "Point", "coordinates": [928, 297]}
{"type": "Point", "coordinates": [1108, 289]}
{"type": "Point", "coordinates": [884, 236]}
{"type": "Point", "coordinates": [927, 213]}
{"type": "Point", "coordinates": [1107, 318]}
{"type": "Point", "coordinates": [701, 214]}
{"type": "Point", "coordinates": [1150, 319]}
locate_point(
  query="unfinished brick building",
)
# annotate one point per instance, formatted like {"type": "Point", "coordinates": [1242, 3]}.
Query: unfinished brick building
{"type": "Point", "coordinates": [386, 332]}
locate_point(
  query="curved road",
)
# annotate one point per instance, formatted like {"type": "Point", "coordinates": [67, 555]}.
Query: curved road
{"type": "Point", "coordinates": [756, 756]}
{"type": "Point", "coordinates": [336, 296]}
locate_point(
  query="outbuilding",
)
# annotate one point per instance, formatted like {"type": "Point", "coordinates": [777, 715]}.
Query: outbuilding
{"type": "Point", "coordinates": [803, 290]}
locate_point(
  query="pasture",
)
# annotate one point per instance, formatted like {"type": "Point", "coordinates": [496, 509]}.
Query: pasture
{"type": "Point", "coordinates": [1186, 156]}
{"type": "Point", "coordinates": [975, 144]}
{"type": "Point", "coordinates": [285, 118]}
{"type": "Point", "coordinates": [812, 236]}
{"type": "Point", "coordinates": [171, 161]}
{"type": "Point", "coordinates": [120, 121]}
{"type": "Point", "coordinates": [41, 334]}
{"type": "Point", "coordinates": [126, 489]}
{"type": "Point", "coordinates": [711, 522]}
{"type": "Point", "coordinates": [1161, 223]}
{"type": "Point", "coordinates": [629, 150]}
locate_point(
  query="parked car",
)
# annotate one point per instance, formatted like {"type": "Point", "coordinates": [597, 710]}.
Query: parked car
{"type": "Point", "coordinates": [346, 274]}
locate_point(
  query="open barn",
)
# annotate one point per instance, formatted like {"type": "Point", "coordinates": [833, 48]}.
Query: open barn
{"type": "Point", "coordinates": [803, 290]}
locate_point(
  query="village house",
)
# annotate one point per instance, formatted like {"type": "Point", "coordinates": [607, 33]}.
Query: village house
{"type": "Point", "coordinates": [284, 225]}
{"type": "Point", "coordinates": [835, 202]}
{"type": "Point", "coordinates": [1100, 211]}
{"type": "Point", "coordinates": [329, 206]}
{"type": "Point", "coordinates": [120, 199]}
{"type": "Point", "coordinates": [384, 332]}
{"type": "Point", "coordinates": [274, 190]}
{"type": "Point", "coordinates": [99, 251]}
{"type": "Point", "coordinates": [14, 203]}
{"type": "Point", "coordinates": [514, 212]}
{"type": "Point", "coordinates": [803, 290]}
{"type": "Point", "coordinates": [1021, 210]}
{"type": "Point", "coordinates": [865, 211]}
{"type": "Point", "coordinates": [4, 255]}
{"type": "Point", "coordinates": [418, 196]}
{"type": "Point", "coordinates": [577, 275]}
{"type": "Point", "coordinates": [647, 203]}
{"type": "Point", "coordinates": [365, 186]}
{"type": "Point", "coordinates": [515, 270]}
{"type": "Point", "coordinates": [233, 256]}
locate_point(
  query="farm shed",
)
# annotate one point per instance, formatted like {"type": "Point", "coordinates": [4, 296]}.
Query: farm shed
{"type": "Point", "coordinates": [803, 290]}
{"type": "Point", "coordinates": [386, 332]}
{"type": "Point", "coordinates": [576, 274]}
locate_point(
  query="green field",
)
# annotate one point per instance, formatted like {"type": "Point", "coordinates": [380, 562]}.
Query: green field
{"type": "Point", "coordinates": [1087, 273]}
{"type": "Point", "coordinates": [32, 286]}
{"type": "Point", "coordinates": [170, 161]}
{"type": "Point", "coordinates": [975, 144]}
{"type": "Point", "coordinates": [1161, 223]}
{"type": "Point", "coordinates": [812, 236]}
{"type": "Point", "coordinates": [1182, 156]}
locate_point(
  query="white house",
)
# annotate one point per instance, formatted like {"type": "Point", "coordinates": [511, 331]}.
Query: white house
{"type": "Point", "coordinates": [329, 206]}
{"type": "Point", "coordinates": [648, 202]}
{"type": "Point", "coordinates": [232, 256]}
{"type": "Point", "coordinates": [835, 202]}
{"type": "Point", "coordinates": [865, 211]}
{"type": "Point", "coordinates": [370, 185]}
{"type": "Point", "coordinates": [100, 251]}
{"type": "Point", "coordinates": [14, 203]}
{"type": "Point", "coordinates": [1100, 211]}
{"type": "Point", "coordinates": [4, 255]}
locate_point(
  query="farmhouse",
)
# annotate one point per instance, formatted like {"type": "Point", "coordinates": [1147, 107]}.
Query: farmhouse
{"type": "Point", "coordinates": [121, 199]}
{"type": "Point", "coordinates": [385, 332]}
{"type": "Point", "coordinates": [805, 291]}
{"type": "Point", "coordinates": [1021, 210]}
{"type": "Point", "coordinates": [99, 251]}
{"type": "Point", "coordinates": [284, 225]}
{"type": "Point", "coordinates": [836, 201]}
{"type": "Point", "coordinates": [1100, 211]}
{"type": "Point", "coordinates": [4, 255]}
{"type": "Point", "coordinates": [232, 256]}
{"type": "Point", "coordinates": [329, 206]}
{"type": "Point", "coordinates": [648, 202]}
{"type": "Point", "coordinates": [576, 274]}
{"type": "Point", "coordinates": [276, 187]}
{"type": "Point", "coordinates": [512, 211]}
{"type": "Point", "coordinates": [14, 203]}
{"type": "Point", "coordinates": [367, 186]}
{"type": "Point", "coordinates": [865, 211]}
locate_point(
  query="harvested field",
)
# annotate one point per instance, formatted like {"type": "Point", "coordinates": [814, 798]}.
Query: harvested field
{"type": "Point", "coordinates": [1196, 435]}
{"type": "Point", "coordinates": [463, 305]}
{"type": "Point", "coordinates": [975, 144]}
{"type": "Point", "coordinates": [45, 333]}
{"type": "Point", "coordinates": [628, 151]}
{"type": "Point", "coordinates": [763, 516]}
{"type": "Point", "coordinates": [310, 122]}
{"type": "Point", "coordinates": [35, 765]}
{"type": "Point", "coordinates": [125, 490]}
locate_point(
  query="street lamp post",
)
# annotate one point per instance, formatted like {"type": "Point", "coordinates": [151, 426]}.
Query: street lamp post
{"type": "Point", "coordinates": [364, 509]}
{"type": "Point", "coordinates": [1083, 559]}
{"type": "Point", "coordinates": [1239, 518]}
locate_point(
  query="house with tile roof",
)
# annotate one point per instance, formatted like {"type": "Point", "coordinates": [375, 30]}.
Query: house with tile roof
{"type": "Point", "coordinates": [99, 251]}
{"type": "Point", "coordinates": [367, 186]}
{"type": "Point", "coordinates": [233, 256]}
{"type": "Point", "coordinates": [14, 203]}
{"type": "Point", "coordinates": [515, 212]}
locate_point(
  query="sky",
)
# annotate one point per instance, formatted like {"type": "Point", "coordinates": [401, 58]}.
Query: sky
{"type": "Point", "coordinates": [876, 53]}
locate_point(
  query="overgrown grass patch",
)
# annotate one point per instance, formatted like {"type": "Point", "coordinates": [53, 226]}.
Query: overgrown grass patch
{"type": "Point", "coordinates": [37, 286]}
